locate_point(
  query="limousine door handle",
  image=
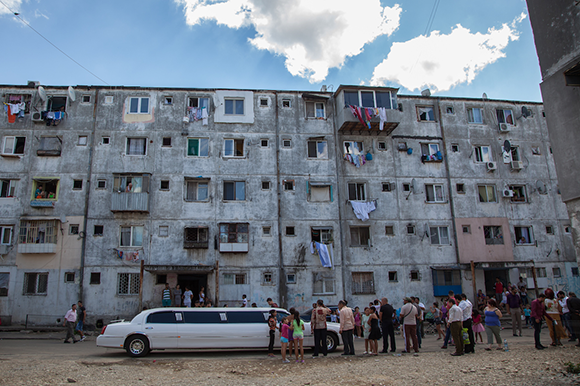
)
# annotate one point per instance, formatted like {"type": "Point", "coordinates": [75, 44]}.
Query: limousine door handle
{"type": "Point", "coordinates": [149, 328]}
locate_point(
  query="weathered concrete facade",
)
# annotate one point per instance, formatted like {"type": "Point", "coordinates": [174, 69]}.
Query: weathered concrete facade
{"type": "Point", "coordinates": [230, 199]}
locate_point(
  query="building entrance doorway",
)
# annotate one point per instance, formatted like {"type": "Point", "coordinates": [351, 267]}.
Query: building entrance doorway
{"type": "Point", "coordinates": [194, 283]}
{"type": "Point", "coordinates": [490, 275]}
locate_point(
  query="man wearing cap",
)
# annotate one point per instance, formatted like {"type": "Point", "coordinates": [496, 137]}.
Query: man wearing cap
{"type": "Point", "coordinates": [409, 317]}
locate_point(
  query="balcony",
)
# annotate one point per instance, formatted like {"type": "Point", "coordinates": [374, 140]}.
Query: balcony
{"type": "Point", "coordinates": [37, 248]}
{"type": "Point", "coordinates": [349, 124]}
{"type": "Point", "coordinates": [195, 244]}
{"type": "Point", "coordinates": [130, 202]}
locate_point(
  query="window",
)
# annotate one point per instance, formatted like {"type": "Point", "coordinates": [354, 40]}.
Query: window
{"type": "Point", "coordinates": [86, 99]}
{"type": "Point", "coordinates": [536, 150]}
{"type": "Point", "coordinates": [315, 110]}
{"type": "Point", "coordinates": [4, 280]}
{"type": "Point", "coordinates": [387, 186]}
{"type": "Point", "coordinates": [166, 142]}
{"type": "Point", "coordinates": [138, 105]}
{"type": "Point", "coordinates": [287, 143]}
{"type": "Point", "coordinates": [77, 184]}
{"type": "Point", "coordinates": [460, 188]}
{"type": "Point", "coordinates": [360, 236]}
{"type": "Point", "coordinates": [265, 185]}
{"type": "Point", "coordinates": [73, 229]}
{"type": "Point", "coordinates": [160, 279]}
{"type": "Point", "coordinates": [131, 183]}
{"type": "Point", "coordinates": [434, 193]}
{"type": "Point", "coordinates": [82, 140]}
{"type": "Point", "coordinates": [234, 190]}
{"type": "Point", "coordinates": [519, 193]}
{"type": "Point", "coordinates": [290, 231]}
{"type": "Point", "coordinates": [108, 99]}
{"type": "Point", "coordinates": [128, 284]}
{"type": "Point", "coordinates": [195, 237]}
{"type": "Point", "coordinates": [198, 102]}
{"type": "Point", "coordinates": [317, 149]}
{"type": "Point", "coordinates": [493, 235]}
{"type": "Point", "coordinates": [291, 278]}
{"type": "Point", "coordinates": [430, 152]}
{"type": "Point", "coordinates": [136, 146]}
{"type": "Point", "coordinates": [575, 272]}
{"type": "Point", "coordinates": [466, 229]}
{"type": "Point", "coordinates": [167, 100]}
{"type": "Point", "coordinates": [410, 229]}
{"type": "Point", "coordinates": [266, 231]}
{"type": "Point", "coordinates": [406, 187]}
{"type": "Point", "coordinates": [439, 235]}
{"type": "Point", "coordinates": [286, 103]}
{"type": "Point", "coordinates": [5, 235]}
{"type": "Point", "coordinates": [69, 277]}
{"type": "Point", "coordinates": [567, 229]}
{"type": "Point", "coordinates": [234, 233]}
{"type": "Point", "coordinates": [288, 185]}
{"type": "Point", "coordinates": [389, 230]}
{"type": "Point", "coordinates": [95, 278]}
{"type": "Point", "coordinates": [49, 146]}
{"type": "Point", "coordinates": [482, 154]}
{"type": "Point", "coordinates": [356, 191]}
{"type": "Point", "coordinates": [263, 102]}
{"type": "Point", "coordinates": [524, 235]}
{"type": "Point", "coordinates": [475, 115]}
{"type": "Point", "coordinates": [234, 148]}
{"type": "Point", "coordinates": [322, 284]}
{"type": "Point", "coordinates": [354, 148]}
{"type": "Point", "coordinates": [321, 235]}
{"type": "Point", "coordinates": [425, 114]}
{"type": "Point", "coordinates": [486, 193]}
{"type": "Point", "coordinates": [319, 192]}
{"type": "Point", "coordinates": [454, 147]}
{"type": "Point", "coordinates": [234, 278]}
{"type": "Point", "coordinates": [449, 110]}
{"type": "Point", "coordinates": [56, 103]}
{"type": "Point", "coordinates": [35, 283]}
{"type": "Point", "coordinates": [234, 106]}
{"type": "Point", "coordinates": [549, 230]}
{"type": "Point", "coordinates": [163, 230]}
{"type": "Point", "coordinates": [8, 188]}
{"type": "Point", "coordinates": [198, 147]}
{"type": "Point", "coordinates": [393, 276]}
{"type": "Point", "coordinates": [556, 272]}
{"type": "Point", "coordinates": [371, 98]}
{"type": "Point", "coordinates": [131, 236]}
{"type": "Point", "coordinates": [19, 98]}
{"type": "Point", "coordinates": [363, 283]}
{"type": "Point", "coordinates": [196, 190]}
{"type": "Point", "coordinates": [415, 275]}
{"type": "Point", "coordinates": [106, 140]}
{"type": "Point", "coordinates": [505, 116]}
{"type": "Point", "coordinates": [541, 272]}
{"type": "Point", "coordinates": [101, 184]}
{"type": "Point", "coordinates": [37, 232]}
{"type": "Point", "coordinates": [264, 143]}
{"type": "Point", "coordinates": [267, 278]}
{"type": "Point", "coordinates": [164, 185]}
{"type": "Point", "coordinates": [98, 230]}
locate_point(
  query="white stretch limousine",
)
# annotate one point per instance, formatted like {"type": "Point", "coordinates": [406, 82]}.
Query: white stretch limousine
{"type": "Point", "coordinates": [201, 328]}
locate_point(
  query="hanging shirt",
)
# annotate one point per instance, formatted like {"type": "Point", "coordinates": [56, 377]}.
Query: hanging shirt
{"type": "Point", "coordinates": [362, 209]}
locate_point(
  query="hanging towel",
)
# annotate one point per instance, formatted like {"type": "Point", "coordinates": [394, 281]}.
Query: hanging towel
{"type": "Point", "coordinates": [324, 255]}
{"type": "Point", "coordinates": [204, 116]}
{"type": "Point", "coordinates": [11, 115]}
{"type": "Point", "coordinates": [382, 117]}
{"type": "Point", "coordinates": [362, 209]}
{"type": "Point", "coordinates": [312, 247]}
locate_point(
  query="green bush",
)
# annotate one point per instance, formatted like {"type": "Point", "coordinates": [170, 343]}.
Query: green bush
{"type": "Point", "coordinates": [572, 368]}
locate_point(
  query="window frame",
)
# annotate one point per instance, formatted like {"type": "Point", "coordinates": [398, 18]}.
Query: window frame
{"type": "Point", "coordinates": [37, 181]}
{"type": "Point", "coordinates": [360, 191]}
{"type": "Point", "coordinates": [487, 195]}
{"type": "Point", "coordinates": [202, 143]}
{"type": "Point", "coordinates": [132, 235]}
{"type": "Point", "coordinates": [323, 281]}
{"type": "Point", "coordinates": [234, 105]}
{"type": "Point", "coordinates": [358, 238]}
{"type": "Point", "coordinates": [236, 184]}
{"type": "Point", "coordinates": [427, 116]}
{"type": "Point", "coordinates": [10, 189]}
{"type": "Point", "coordinates": [315, 109]}
{"type": "Point", "coordinates": [363, 283]}
{"type": "Point", "coordinates": [193, 237]}
{"type": "Point", "coordinates": [234, 148]}
{"type": "Point", "coordinates": [496, 231]}
{"type": "Point", "coordinates": [471, 115]}
{"type": "Point", "coordinates": [434, 188]}
{"type": "Point", "coordinates": [392, 98]}
{"type": "Point", "coordinates": [350, 149]}
{"type": "Point", "coordinates": [49, 145]}
{"type": "Point", "coordinates": [200, 186]}
{"type": "Point", "coordinates": [503, 119]}
{"type": "Point", "coordinates": [289, 185]}
{"type": "Point", "coordinates": [520, 189]}
{"type": "Point", "coordinates": [132, 281]}
{"type": "Point", "coordinates": [439, 233]}
{"type": "Point", "coordinates": [128, 147]}
{"type": "Point", "coordinates": [3, 230]}
{"type": "Point", "coordinates": [316, 149]}
{"type": "Point", "coordinates": [15, 144]}
{"type": "Point", "coordinates": [518, 234]}
{"type": "Point", "coordinates": [480, 155]}
{"type": "Point", "coordinates": [38, 276]}
{"type": "Point", "coordinates": [139, 109]}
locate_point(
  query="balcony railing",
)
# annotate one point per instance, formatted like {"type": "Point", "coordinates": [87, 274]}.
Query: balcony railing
{"type": "Point", "coordinates": [349, 124]}
{"type": "Point", "coordinates": [130, 202]}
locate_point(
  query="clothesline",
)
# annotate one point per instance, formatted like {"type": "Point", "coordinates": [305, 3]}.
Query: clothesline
{"type": "Point", "coordinates": [362, 209]}
{"type": "Point", "coordinates": [365, 114]}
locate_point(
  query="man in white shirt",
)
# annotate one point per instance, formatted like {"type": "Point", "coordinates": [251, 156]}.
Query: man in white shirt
{"type": "Point", "coordinates": [466, 308]}
{"type": "Point", "coordinates": [455, 326]}
{"type": "Point", "coordinates": [69, 321]}
{"type": "Point", "coordinates": [409, 315]}
{"type": "Point", "coordinates": [563, 301]}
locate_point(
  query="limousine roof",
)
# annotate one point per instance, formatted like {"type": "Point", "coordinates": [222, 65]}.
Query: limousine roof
{"type": "Point", "coordinates": [144, 313]}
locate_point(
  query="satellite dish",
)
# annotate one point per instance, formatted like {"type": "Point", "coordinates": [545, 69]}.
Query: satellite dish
{"type": "Point", "coordinates": [541, 187]}
{"type": "Point", "coordinates": [414, 186]}
{"type": "Point", "coordinates": [71, 93]}
{"type": "Point", "coordinates": [42, 93]}
{"type": "Point", "coordinates": [526, 112]}
{"type": "Point", "coordinates": [507, 147]}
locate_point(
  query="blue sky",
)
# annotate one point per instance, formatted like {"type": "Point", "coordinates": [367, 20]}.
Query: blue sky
{"type": "Point", "coordinates": [471, 47]}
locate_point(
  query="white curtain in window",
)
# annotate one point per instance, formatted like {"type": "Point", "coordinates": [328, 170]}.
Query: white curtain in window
{"type": "Point", "coordinates": [136, 146]}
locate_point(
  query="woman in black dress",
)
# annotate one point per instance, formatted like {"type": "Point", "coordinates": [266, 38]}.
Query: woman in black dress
{"type": "Point", "coordinates": [375, 333]}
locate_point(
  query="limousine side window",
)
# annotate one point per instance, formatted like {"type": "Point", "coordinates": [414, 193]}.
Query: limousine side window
{"type": "Point", "coordinates": [281, 315]}
{"type": "Point", "coordinates": [202, 317]}
{"type": "Point", "coordinates": [164, 317]}
{"type": "Point", "coordinates": [246, 317]}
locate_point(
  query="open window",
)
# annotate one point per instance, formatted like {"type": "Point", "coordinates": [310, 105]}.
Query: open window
{"type": "Point", "coordinates": [519, 193]}
{"type": "Point", "coordinates": [197, 147]}
{"type": "Point", "coordinates": [317, 149]}
{"type": "Point", "coordinates": [475, 115]}
{"type": "Point", "coordinates": [50, 146]}
{"type": "Point", "coordinates": [56, 103]}
{"type": "Point", "coordinates": [6, 235]}
{"type": "Point", "coordinates": [131, 183]}
{"type": "Point", "coordinates": [434, 193]}
{"type": "Point", "coordinates": [315, 110]}
{"type": "Point", "coordinates": [357, 191]}
{"type": "Point", "coordinates": [524, 235]}
{"type": "Point", "coordinates": [430, 152]}
{"type": "Point", "coordinates": [353, 148]}
{"type": "Point", "coordinates": [439, 235]}
{"type": "Point", "coordinates": [425, 114]}
{"type": "Point", "coordinates": [131, 236]}
{"type": "Point", "coordinates": [493, 235]}
{"type": "Point", "coordinates": [195, 237]}
{"type": "Point", "coordinates": [233, 148]}
{"type": "Point", "coordinates": [196, 189]}
{"type": "Point", "coordinates": [482, 154]}
{"type": "Point", "coordinates": [234, 237]}
{"type": "Point", "coordinates": [13, 146]}
{"type": "Point", "coordinates": [8, 188]}
{"type": "Point", "coordinates": [37, 232]}
{"type": "Point", "coordinates": [321, 235]}
{"type": "Point", "coordinates": [23, 100]}
{"type": "Point", "coordinates": [45, 189]}
{"type": "Point", "coordinates": [505, 116]}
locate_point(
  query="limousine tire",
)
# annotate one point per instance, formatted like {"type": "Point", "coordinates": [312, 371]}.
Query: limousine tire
{"type": "Point", "coordinates": [331, 341]}
{"type": "Point", "coordinates": [137, 345]}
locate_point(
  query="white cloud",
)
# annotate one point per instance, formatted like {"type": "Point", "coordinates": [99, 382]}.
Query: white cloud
{"type": "Point", "coordinates": [441, 62]}
{"type": "Point", "coordinates": [14, 5]}
{"type": "Point", "coordinates": [37, 13]}
{"type": "Point", "coordinates": [313, 35]}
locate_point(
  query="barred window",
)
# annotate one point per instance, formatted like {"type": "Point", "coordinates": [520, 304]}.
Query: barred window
{"type": "Point", "coordinates": [128, 284]}
{"type": "Point", "coordinates": [37, 232]}
{"type": "Point", "coordinates": [35, 283]}
{"type": "Point", "coordinates": [363, 283]}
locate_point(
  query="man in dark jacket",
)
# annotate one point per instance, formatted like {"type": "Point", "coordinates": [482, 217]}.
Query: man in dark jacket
{"type": "Point", "coordinates": [386, 318]}
{"type": "Point", "coordinates": [574, 307]}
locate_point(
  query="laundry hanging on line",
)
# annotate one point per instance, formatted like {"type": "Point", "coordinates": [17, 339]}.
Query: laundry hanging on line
{"type": "Point", "coordinates": [362, 209]}
{"type": "Point", "coordinates": [324, 253]}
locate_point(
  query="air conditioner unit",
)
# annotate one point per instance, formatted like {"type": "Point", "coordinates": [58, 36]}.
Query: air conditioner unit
{"type": "Point", "coordinates": [503, 127]}
{"type": "Point", "coordinates": [36, 116]}
{"type": "Point", "coordinates": [508, 193]}
{"type": "Point", "coordinates": [491, 166]}
{"type": "Point", "coordinates": [517, 165]}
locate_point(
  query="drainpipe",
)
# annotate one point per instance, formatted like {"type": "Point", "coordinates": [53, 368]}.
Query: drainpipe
{"type": "Point", "coordinates": [87, 194]}
{"type": "Point", "coordinates": [281, 277]}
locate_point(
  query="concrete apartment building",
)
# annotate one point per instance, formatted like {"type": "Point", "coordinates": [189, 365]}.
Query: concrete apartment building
{"type": "Point", "coordinates": [228, 189]}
